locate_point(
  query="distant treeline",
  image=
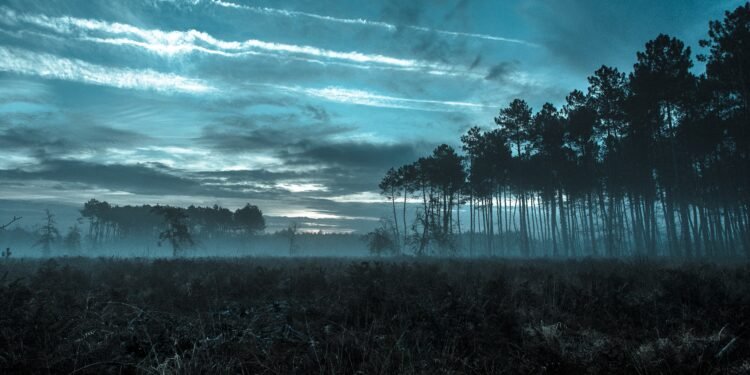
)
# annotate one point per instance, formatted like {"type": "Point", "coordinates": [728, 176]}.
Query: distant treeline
{"type": "Point", "coordinates": [107, 222]}
{"type": "Point", "coordinates": [104, 229]}
{"type": "Point", "coordinates": [654, 162]}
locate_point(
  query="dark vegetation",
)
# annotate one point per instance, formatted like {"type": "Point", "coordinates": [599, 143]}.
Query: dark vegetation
{"type": "Point", "coordinates": [277, 316]}
{"type": "Point", "coordinates": [654, 162]}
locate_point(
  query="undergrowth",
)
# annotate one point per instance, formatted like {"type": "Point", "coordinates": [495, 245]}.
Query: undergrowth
{"type": "Point", "coordinates": [281, 316]}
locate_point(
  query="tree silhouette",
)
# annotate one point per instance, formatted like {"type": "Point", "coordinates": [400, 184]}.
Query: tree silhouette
{"type": "Point", "coordinates": [250, 219]}
{"type": "Point", "coordinates": [290, 233]}
{"type": "Point", "coordinates": [108, 222]}
{"type": "Point", "coordinates": [380, 241]}
{"type": "Point", "coordinates": [516, 126]}
{"type": "Point", "coordinates": [389, 187]}
{"type": "Point", "coordinates": [72, 240]}
{"type": "Point", "coordinates": [48, 233]}
{"type": "Point", "coordinates": [406, 181]}
{"type": "Point", "coordinates": [515, 122]}
{"type": "Point", "coordinates": [175, 228]}
{"type": "Point", "coordinates": [647, 163]}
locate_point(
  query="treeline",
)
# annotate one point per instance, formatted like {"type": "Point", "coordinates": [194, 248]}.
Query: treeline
{"type": "Point", "coordinates": [104, 229]}
{"type": "Point", "coordinates": [102, 226]}
{"type": "Point", "coordinates": [108, 222]}
{"type": "Point", "coordinates": [654, 162]}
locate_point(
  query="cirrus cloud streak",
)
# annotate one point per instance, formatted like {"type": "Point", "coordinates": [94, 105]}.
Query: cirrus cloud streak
{"type": "Point", "coordinates": [175, 42]}
{"type": "Point", "coordinates": [49, 66]}
{"type": "Point", "coordinates": [364, 22]}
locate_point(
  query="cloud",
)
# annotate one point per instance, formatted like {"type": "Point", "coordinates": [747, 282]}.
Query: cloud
{"type": "Point", "coordinates": [287, 122]}
{"type": "Point", "coordinates": [61, 140]}
{"type": "Point", "coordinates": [584, 34]}
{"type": "Point", "coordinates": [21, 90]}
{"type": "Point", "coordinates": [312, 165]}
{"type": "Point", "coordinates": [361, 97]}
{"type": "Point", "coordinates": [272, 162]}
{"type": "Point", "coordinates": [54, 67]}
{"type": "Point", "coordinates": [360, 197]}
{"type": "Point", "coordinates": [502, 71]}
{"type": "Point", "coordinates": [293, 14]}
{"type": "Point", "coordinates": [171, 43]}
{"type": "Point", "coordinates": [308, 154]}
{"type": "Point", "coordinates": [317, 113]}
{"type": "Point", "coordinates": [475, 63]}
{"type": "Point", "coordinates": [364, 22]}
{"type": "Point", "coordinates": [138, 178]}
{"type": "Point", "coordinates": [263, 133]}
{"type": "Point", "coordinates": [301, 187]}
{"type": "Point", "coordinates": [280, 194]}
{"type": "Point", "coordinates": [357, 154]}
{"type": "Point", "coordinates": [366, 208]}
{"type": "Point", "coordinates": [473, 35]}
{"type": "Point", "coordinates": [144, 179]}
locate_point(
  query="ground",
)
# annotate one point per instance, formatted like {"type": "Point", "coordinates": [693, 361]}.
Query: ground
{"type": "Point", "coordinates": [327, 315]}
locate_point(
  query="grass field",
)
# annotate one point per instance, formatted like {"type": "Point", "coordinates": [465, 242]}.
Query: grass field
{"type": "Point", "coordinates": [337, 316]}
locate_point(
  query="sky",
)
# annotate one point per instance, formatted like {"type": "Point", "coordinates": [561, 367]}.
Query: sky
{"type": "Point", "coordinates": [298, 107]}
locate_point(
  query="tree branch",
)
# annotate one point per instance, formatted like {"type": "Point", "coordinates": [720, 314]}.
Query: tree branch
{"type": "Point", "coordinates": [15, 218]}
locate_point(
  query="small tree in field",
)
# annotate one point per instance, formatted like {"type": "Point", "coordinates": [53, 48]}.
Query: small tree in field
{"type": "Point", "coordinates": [290, 233]}
{"type": "Point", "coordinates": [176, 231]}
{"type": "Point", "coordinates": [48, 233]}
{"type": "Point", "coordinates": [72, 240]}
{"type": "Point", "coordinates": [380, 241]}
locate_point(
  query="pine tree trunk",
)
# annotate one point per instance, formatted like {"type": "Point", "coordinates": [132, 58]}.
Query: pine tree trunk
{"type": "Point", "coordinates": [563, 225]}
{"type": "Point", "coordinates": [592, 230]}
{"type": "Point", "coordinates": [553, 223]}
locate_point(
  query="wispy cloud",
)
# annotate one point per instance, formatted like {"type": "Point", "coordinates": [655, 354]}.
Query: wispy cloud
{"type": "Point", "coordinates": [301, 187]}
{"type": "Point", "coordinates": [361, 97]}
{"type": "Point", "coordinates": [318, 214]}
{"type": "Point", "coordinates": [292, 13]}
{"type": "Point", "coordinates": [171, 43]}
{"type": "Point", "coordinates": [360, 197]}
{"type": "Point", "coordinates": [54, 67]}
{"type": "Point", "coordinates": [364, 22]}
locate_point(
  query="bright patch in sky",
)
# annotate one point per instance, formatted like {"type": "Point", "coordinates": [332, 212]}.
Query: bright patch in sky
{"type": "Point", "coordinates": [301, 187]}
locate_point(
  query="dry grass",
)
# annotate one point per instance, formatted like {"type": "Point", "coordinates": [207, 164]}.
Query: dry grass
{"type": "Point", "coordinates": [281, 316]}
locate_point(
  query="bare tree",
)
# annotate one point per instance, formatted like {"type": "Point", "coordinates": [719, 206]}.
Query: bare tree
{"type": "Point", "coordinates": [290, 233]}
{"type": "Point", "coordinates": [48, 233]}
{"type": "Point", "coordinates": [176, 230]}
{"type": "Point", "coordinates": [15, 218]}
{"type": "Point", "coordinates": [380, 241]}
{"type": "Point", "coordinates": [72, 240]}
